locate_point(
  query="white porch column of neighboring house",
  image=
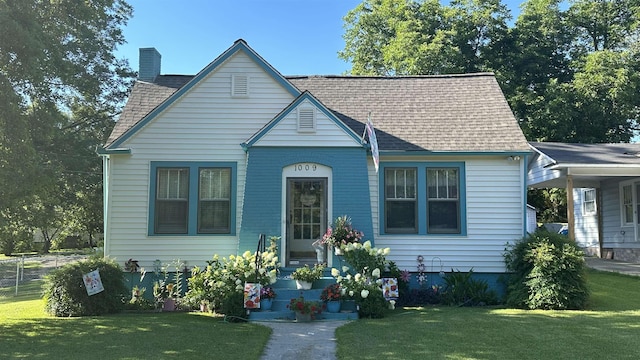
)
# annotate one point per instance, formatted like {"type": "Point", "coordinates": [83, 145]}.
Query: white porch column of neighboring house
{"type": "Point", "coordinates": [570, 210]}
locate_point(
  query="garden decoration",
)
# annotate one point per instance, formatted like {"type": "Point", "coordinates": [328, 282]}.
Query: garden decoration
{"type": "Point", "coordinates": [252, 296]}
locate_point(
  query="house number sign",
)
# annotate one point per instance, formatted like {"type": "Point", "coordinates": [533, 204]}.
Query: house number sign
{"type": "Point", "coordinates": [305, 167]}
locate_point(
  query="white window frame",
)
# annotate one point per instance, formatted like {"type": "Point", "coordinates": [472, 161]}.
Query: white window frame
{"type": "Point", "coordinates": [589, 207]}
{"type": "Point", "coordinates": [624, 205]}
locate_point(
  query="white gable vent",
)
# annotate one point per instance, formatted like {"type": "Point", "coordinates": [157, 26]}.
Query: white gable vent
{"type": "Point", "coordinates": [306, 120]}
{"type": "Point", "coordinates": [239, 85]}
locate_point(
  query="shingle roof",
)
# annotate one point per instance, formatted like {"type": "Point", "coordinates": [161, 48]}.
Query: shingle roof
{"type": "Point", "coordinates": [436, 113]}
{"type": "Point", "coordinates": [590, 154]}
{"type": "Point", "coordinates": [466, 113]}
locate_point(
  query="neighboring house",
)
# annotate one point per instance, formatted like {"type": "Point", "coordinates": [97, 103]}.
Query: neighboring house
{"type": "Point", "coordinates": [603, 184]}
{"type": "Point", "coordinates": [201, 165]}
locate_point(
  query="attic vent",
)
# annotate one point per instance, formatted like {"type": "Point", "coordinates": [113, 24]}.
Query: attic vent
{"type": "Point", "coordinates": [239, 85]}
{"type": "Point", "coordinates": [306, 120]}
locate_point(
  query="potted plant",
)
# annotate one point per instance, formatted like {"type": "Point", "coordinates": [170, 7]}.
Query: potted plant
{"type": "Point", "coordinates": [165, 295]}
{"type": "Point", "coordinates": [267, 294]}
{"type": "Point", "coordinates": [305, 310]}
{"type": "Point", "coordinates": [305, 276]}
{"type": "Point", "coordinates": [332, 296]}
{"type": "Point", "coordinates": [341, 233]}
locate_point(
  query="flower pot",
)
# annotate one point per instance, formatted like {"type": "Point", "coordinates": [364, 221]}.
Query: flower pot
{"type": "Point", "coordinates": [333, 306]}
{"type": "Point", "coordinates": [303, 285]}
{"type": "Point", "coordinates": [266, 304]}
{"type": "Point", "coordinates": [300, 317]}
{"type": "Point", "coordinates": [169, 304]}
{"type": "Point", "coordinates": [338, 251]}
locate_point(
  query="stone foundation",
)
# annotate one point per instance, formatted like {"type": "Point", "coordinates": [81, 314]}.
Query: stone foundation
{"type": "Point", "coordinates": [627, 255]}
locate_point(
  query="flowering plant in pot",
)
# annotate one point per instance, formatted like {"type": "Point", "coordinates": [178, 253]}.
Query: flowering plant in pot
{"type": "Point", "coordinates": [305, 310]}
{"type": "Point", "coordinates": [332, 292]}
{"type": "Point", "coordinates": [341, 233]}
{"type": "Point", "coordinates": [267, 292]}
{"type": "Point", "coordinates": [305, 276]}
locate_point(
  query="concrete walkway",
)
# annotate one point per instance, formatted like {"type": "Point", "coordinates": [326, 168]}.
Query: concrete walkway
{"type": "Point", "coordinates": [300, 341]}
{"type": "Point", "coordinates": [613, 266]}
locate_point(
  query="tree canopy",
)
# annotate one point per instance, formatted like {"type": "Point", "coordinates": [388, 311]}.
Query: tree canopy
{"type": "Point", "coordinates": [570, 73]}
{"type": "Point", "coordinates": [61, 87]}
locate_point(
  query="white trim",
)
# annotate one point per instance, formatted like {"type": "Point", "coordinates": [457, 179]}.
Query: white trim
{"type": "Point", "coordinates": [585, 202]}
{"type": "Point", "coordinates": [304, 170]}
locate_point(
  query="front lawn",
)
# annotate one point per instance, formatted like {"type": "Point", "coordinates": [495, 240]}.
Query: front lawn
{"type": "Point", "coordinates": [27, 332]}
{"type": "Point", "coordinates": [611, 327]}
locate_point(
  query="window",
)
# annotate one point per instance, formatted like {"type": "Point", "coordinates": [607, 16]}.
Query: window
{"type": "Point", "coordinates": [192, 198]}
{"type": "Point", "coordinates": [172, 202]}
{"type": "Point", "coordinates": [443, 203]}
{"type": "Point", "coordinates": [423, 198]}
{"type": "Point", "coordinates": [627, 205]}
{"type": "Point", "coordinates": [400, 200]}
{"type": "Point", "coordinates": [589, 201]}
{"type": "Point", "coordinates": [214, 200]}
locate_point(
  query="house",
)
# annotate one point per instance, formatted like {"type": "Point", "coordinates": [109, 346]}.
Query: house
{"type": "Point", "coordinates": [603, 191]}
{"type": "Point", "coordinates": [204, 164]}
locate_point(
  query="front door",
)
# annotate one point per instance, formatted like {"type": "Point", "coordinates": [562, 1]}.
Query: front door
{"type": "Point", "coordinates": [306, 220]}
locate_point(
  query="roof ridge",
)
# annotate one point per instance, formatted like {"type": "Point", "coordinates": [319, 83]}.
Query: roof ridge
{"type": "Point", "coordinates": [445, 76]}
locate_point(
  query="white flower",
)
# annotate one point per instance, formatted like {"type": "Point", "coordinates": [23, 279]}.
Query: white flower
{"type": "Point", "coordinates": [335, 272]}
{"type": "Point", "coordinates": [350, 292]}
{"type": "Point", "coordinates": [343, 291]}
{"type": "Point", "coordinates": [339, 279]}
{"type": "Point", "coordinates": [358, 277]}
{"type": "Point", "coordinates": [392, 304]}
{"type": "Point", "coordinates": [262, 271]}
{"type": "Point", "coordinates": [364, 293]}
{"type": "Point", "coordinates": [348, 277]}
{"type": "Point", "coordinates": [246, 254]}
{"type": "Point", "coordinates": [387, 251]}
{"type": "Point", "coordinates": [345, 269]}
{"type": "Point", "coordinates": [238, 282]}
{"type": "Point", "coordinates": [375, 273]}
{"type": "Point", "coordinates": [239, 287]}
{"type": "Point", "coordinates": [367, 245]}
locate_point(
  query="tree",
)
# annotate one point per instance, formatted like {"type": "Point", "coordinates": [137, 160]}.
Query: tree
{"type": "Point", "coordinates": [60, 89]}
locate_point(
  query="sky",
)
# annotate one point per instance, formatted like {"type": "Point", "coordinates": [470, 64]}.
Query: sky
{"type": "Point", "coordinates": [297, 37]}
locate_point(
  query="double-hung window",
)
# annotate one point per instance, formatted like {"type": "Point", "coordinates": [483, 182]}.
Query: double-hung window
{"type": "Point", "coordinates": [588, 201]}
{"type": "Point", "coordinates": [443, 201]}
{"type": "Point", "coordinates": [192, 198]}
{"type": "Point", "coordinates": [400, 200]}
{"type": "Point", "coordinates": [423, 198]}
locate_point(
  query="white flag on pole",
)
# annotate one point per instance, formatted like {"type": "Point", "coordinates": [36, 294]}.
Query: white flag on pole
{"type": "Point", "coordinates": [373, 141]}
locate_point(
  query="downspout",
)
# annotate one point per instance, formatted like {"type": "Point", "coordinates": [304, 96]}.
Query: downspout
{"type": "Point", "coordinates": [105, 203]}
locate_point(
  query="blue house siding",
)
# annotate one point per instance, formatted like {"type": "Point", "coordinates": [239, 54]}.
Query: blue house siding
{"type": "Point", "coordinates": [263, 188]}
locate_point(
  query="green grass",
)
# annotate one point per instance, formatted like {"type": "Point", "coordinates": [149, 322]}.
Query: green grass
{"type": "Point", "coordinates": [27, 332]}
{"type": "Point", "coordinates": [610, 326]}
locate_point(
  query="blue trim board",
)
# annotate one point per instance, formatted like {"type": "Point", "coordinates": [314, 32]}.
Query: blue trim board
{"type": "Point", "coordinates": [421, 174]}
{"type": "Point", "coordinates": [239, 45]}
{"type": "Point", "coordinates": [192, 225]}
{"type": "Point", "coordinates": [263, 188]}
{"type": "Point", "coordinates": [315, 102]}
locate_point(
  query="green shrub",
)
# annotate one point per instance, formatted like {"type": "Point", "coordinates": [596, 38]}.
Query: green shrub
{"type": "Point", "coordinates": [462, 289]}
{"type": "Point", "coordinates": [233, 307]}
{"type": "Point", "coordinates": [65, 293]}
{"type": "Point", "coordinates": [547, 272]}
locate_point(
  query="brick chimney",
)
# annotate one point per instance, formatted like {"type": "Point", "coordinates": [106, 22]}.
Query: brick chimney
{"type": "Point", "coordinates": [149, 64]}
